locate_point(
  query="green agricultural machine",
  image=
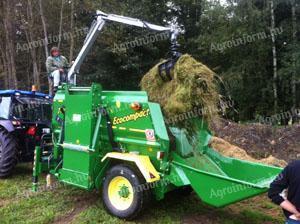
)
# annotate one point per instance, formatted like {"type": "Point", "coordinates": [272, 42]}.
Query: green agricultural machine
{"type": "Point", "coordinates": [118, 141]}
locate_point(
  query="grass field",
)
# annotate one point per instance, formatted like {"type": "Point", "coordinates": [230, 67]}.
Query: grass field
{"type": "Point", "coordinates": [65, 204]}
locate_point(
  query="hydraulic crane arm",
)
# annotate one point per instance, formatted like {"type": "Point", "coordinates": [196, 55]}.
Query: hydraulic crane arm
{"type": "Point", "coordinates": [98, 25]}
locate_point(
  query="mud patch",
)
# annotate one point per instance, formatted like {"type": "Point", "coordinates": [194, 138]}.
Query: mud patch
{"type": "Point", "coordinates": [3, 203]}
{"type": "Point", "coordinates": [200, 219]}
{"type": "Point", "coordinates": [80, 204]}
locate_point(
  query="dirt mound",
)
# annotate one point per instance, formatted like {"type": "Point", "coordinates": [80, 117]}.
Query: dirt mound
{"type": "Point", "coordinates": [227, 149]}
{"type": "Point", "coordinates": [261, 141]}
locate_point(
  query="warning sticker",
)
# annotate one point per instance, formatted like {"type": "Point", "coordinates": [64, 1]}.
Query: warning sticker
{"type": "Point", "coordinates": [150, 136]}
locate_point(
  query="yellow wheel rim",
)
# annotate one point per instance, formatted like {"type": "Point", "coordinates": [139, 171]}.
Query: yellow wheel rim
{"type": "Point", "coordinates": [120, 193]}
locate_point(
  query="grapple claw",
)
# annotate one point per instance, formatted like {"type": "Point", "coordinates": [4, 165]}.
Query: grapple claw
{"type": "Point", "coordinates": [165, 68]}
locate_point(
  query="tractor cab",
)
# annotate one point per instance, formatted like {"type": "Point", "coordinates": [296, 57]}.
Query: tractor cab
{"type": "Point", "coordinates": [24, 115]}
{"type": "Point", "coordinates": [24, 107]}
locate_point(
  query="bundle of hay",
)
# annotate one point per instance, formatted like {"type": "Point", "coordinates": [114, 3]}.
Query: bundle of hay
{"type": "Point", "coordinates": [191, 89]}
{"type": "Point", "coordinates": [226, 149]}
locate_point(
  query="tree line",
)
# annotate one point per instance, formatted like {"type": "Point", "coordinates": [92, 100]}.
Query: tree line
{"type": "Point", "coordinates": [253, 45]}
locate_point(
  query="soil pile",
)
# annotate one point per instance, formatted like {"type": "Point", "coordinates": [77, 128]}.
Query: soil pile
{"type": "Point", "coordinates": [261, 140]}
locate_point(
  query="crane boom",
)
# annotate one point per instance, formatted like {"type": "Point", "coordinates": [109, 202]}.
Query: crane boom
{"type": "Point", "coordinates": [98, 25]}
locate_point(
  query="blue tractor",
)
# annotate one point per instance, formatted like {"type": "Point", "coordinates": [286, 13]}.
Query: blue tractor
{"type": "Point", "coordinates": [24, 117]}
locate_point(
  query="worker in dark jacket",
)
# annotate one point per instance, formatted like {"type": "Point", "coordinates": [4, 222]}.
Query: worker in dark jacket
{"type": "Point", "coordinates": [289, 180]}
{"type": "Point", "coordinates": [56, 65]}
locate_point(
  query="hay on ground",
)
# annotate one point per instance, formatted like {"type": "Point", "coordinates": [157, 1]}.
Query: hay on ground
{"type": "Point", "coordinates": [226, 149]}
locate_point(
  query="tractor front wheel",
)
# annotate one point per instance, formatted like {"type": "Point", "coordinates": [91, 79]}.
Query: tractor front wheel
{"type": "Point", "coordinates": [8, 153]}
{"type": "Point", "coordinates": [125, 192]}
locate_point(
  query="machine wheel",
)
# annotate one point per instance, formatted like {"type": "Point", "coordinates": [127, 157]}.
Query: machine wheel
{"type": "Point", "coordinates": [124, 192]}
{"type": "Point", "coordinates": [8, 153]}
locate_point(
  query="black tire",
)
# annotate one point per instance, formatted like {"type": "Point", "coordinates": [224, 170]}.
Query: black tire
{"type": "Point", "coordinates": [141, 192]}
{"type": "Point", "coordinates": [8, 153]}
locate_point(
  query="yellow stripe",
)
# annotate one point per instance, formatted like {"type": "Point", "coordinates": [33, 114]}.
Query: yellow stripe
{"type": "Point", "coordinates": [137, 130]}
{"type": "Point", "coordinates": [122, 128]}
